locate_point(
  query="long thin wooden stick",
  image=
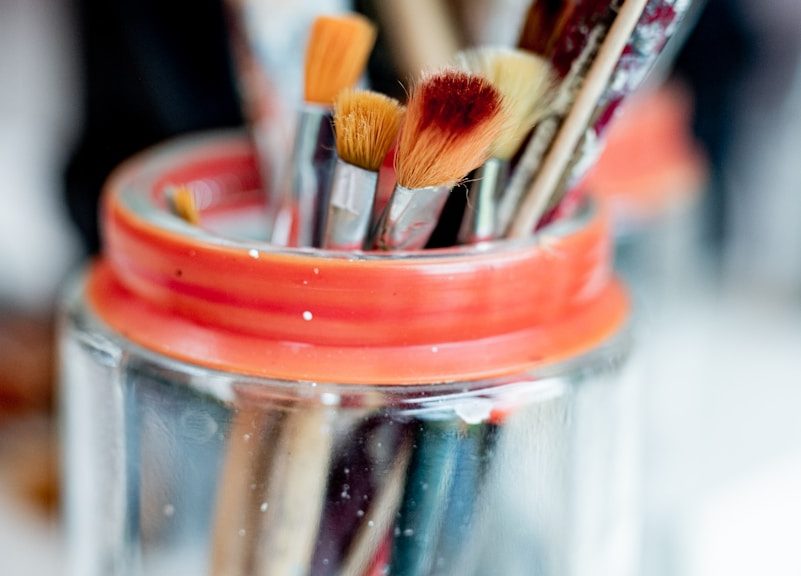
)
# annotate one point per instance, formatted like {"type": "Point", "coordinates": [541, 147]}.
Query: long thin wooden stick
{"type": "Point", "coordinates": [578, 118]}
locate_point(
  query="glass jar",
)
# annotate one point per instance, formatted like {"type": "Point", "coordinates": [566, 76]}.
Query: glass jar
{"type": "Point", "coordinates": [232, 408]}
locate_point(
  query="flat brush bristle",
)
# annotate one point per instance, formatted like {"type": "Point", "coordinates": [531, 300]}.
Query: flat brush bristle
{"type": "Point", "coordinates": [524, 80]}
{"type": "Point", "coordinates": [336, 55]}
{"type": "Point", "coordinates": [366, 124]}
{"type": "Point", "coordinates": [451, 121]}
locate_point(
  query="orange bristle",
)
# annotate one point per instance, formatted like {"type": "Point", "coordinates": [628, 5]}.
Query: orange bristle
{"type": "Point", "coordinates": [452, 120]}
{"type": "Point", "coordinates": [184, 206]}
{"type": "Point", "coordinates": [366, 124]}
{"type": "Point", "coordinates": [336, 55]}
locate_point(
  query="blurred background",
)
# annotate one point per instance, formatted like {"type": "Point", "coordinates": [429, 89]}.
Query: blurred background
{"type": "Point", "coordinates": [702, 172]}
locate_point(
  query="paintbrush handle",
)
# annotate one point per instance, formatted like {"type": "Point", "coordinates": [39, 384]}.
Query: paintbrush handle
{"type": "Point", "coordinates": [577, 120]}
{"type": "Point", "coordinates": [409, 217]}
{"type": "Point", "coordinates": [425, 497]}
{"type": "Point", "coordinates": [241, 496]}
{"type": "Point", "coordinates": [295, 493]}
{"type": "Point", "coordinates": [301, 218]}
{"type": "Point", "coordinates": [378, 520]}
{"type": "Point", "coordinates": [350, 207]}
{"type": "Point", "coordinates": [480, 222]}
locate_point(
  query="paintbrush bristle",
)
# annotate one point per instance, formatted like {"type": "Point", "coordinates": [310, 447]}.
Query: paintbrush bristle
{"type": "Point", "coordinates": [545, 24]}
{"type": "Point", "coordinates": [525, 81]}
{"type": "Point", "coordinates": [452, 119]}
{"type": "Point", "coordinates": [366, 124]}
{"type": "Point", "coordinates": [336, 55]}
{"type": "Point", "coordinates": [182, 204]}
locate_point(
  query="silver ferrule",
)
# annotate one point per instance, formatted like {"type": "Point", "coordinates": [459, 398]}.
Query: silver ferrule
{"type": "Point", "coordinates": [480, 222]}
{"type": "Point", "coordinates": [350, 207]}
{"type": "Point", "coordinates": [310, 173]}
{"type": "Point", "coordinates": [410, 217]}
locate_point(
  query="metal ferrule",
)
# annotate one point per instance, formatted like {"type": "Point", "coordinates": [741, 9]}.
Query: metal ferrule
{"type": "Point", "coordinates": [480, 222]}
{"type": "Point", "coordinates": [350, 207]}
{"type": "Point", "coordinates": [312, 165]}
{"type": "Point", "coordinates": [410, 217]}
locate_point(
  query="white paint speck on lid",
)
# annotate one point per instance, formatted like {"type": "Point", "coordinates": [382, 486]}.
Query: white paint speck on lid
{"type": "Point", "coordinates": [316, 270]}
{"type": "Point", "coordinates": [307, 315]}
{"type": "Point", "coordinates": [253, 253]}
{"type": "Point", "coordinates": [435, 349]}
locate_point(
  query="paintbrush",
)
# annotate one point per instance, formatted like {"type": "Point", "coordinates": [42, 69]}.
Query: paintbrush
{"type": "Point", "coordinates": [336, 56]}
{"type": "Point", "coordinates": [558, 159]}
{"type": "Point", "coordinates": [452, 119]}
{"type": "Point", "coordinates": [525, 81]}
{"type": "Point", "coordinates": [594, 38]}
{"type": "Point", "coordinates": [584, 23]}
{"type": "Point", "coordinates": [366, 125]}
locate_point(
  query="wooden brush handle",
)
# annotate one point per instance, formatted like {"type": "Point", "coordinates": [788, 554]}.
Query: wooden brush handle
{"type": "Point", "coordinates": [574, 126]}
{"type": "Point", "coordinates": [422, 34]}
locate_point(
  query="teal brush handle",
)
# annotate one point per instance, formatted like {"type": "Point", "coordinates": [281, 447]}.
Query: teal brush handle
{"type": "Point", "coordinates": [428, 486]}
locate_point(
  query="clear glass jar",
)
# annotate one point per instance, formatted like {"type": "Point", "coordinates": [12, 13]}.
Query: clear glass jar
{"type": "Point", "coordinates": [235, 409]}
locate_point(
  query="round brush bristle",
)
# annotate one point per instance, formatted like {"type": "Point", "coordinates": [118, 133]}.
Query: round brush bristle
{"type": "Point", "coordinates": [366, 124]}
{"type": "Point", "coordinates": [525, 80]}
{"type": "Point", "coordinates": [336, 55]}
{"type": "Point", "coordinates": [452, 119]}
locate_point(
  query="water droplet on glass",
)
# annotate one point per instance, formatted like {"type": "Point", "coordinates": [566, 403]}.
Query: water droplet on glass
{"type": "Point", "coordinates": [169, 510]}
{"type": "Point", "coordinates": [408, 532]}
{"type": "Point", "coordinates": [253, 253]}
{"type": "Point", "coordinates": [263, 506]}
{"type": "Point", "coordinates": [307, 315]}
{"type": "Point", "coordinates": [242, 532]}
{"type": "Point", "coordinates": [360, 513]}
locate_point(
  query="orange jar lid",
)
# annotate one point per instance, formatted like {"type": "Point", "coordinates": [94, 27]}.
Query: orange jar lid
{"type": "Point", "coordinates": [199, 295]}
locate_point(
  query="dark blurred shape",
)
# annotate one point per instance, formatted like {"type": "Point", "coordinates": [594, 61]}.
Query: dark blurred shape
{"type": "Point", "coordinates": [151, 70]}
{"type": "Point", "coordinates": [714, 62]}
{"type": "Point", "coordinates": [26, 364]}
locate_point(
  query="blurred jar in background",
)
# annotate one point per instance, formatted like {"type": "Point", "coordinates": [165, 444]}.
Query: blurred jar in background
{"type": "Point", "coordinates": [652, 176]}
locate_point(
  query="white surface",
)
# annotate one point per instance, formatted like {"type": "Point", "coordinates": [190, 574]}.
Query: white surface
{"type": "Point", "coordinates": [37, 115]}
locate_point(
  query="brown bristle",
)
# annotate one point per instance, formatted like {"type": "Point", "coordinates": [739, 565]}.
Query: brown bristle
{"type": "Point", "coordinates": [544, 24]}
{"type": "Point", "coordinates": [452, 119]}
{"type": "Point", "coordinates": [336, 55]}
{"type": "Point", "coordinates": [366, 124]}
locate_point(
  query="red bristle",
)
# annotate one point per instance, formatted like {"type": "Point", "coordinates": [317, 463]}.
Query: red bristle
{"type": "Point", "coordinates": [456, 101]}
{"type": "Point", "coordinates": [452, 119]}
